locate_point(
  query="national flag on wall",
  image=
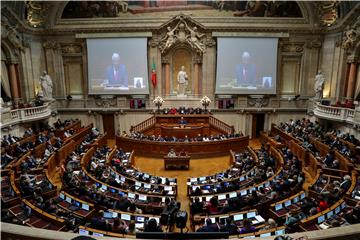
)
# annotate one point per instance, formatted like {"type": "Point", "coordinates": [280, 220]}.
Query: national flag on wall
{"type": "Point", "coordinates": [153, 74]}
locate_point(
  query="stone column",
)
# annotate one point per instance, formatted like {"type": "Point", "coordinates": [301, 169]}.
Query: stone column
{"type": "Point", "coordinates": [14, 87]}
{"type": "Point", "coordinates": [209, 64]}
{"type": "Point", "coordinates": [196, 78]}
{"type": "Point", "coordinates": [351, 81]}
{"type": "Point", "coordinates": [345, 80]}
{"type": "Point", "coordinates": [167, 78]}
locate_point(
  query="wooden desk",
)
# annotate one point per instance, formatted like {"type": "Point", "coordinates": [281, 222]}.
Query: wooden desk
{"type": "Point", "coordinates": [180, 131]}
{"type": "Point", "coordinates": [175, 162]}
{"type": "Point", "coordinates": [195, 149]}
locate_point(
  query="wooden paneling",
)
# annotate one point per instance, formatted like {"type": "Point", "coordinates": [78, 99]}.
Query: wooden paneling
{"type": "Point", "coordinates": [195, 149]}
{"type": "Point", "coordinates": [108, 123]}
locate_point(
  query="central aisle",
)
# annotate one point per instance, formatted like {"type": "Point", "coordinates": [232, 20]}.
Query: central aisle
{"type": "Point", "coordinates": [198, 167]}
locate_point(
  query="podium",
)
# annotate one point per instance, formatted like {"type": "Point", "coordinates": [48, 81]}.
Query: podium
{"type": "Point", "coordinates": [179, 162]}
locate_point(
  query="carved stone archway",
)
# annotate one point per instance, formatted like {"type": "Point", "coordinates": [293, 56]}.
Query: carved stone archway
{"type": "Point", "coordinates": [182, 43]}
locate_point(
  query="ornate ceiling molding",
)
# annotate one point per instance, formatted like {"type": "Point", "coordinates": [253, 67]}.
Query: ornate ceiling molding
{"type": "Point", "coordinates": [328, 12]}
{"type": "Point", "coordinates": [54, 25]}
{"type": "Point", "coordinates": [37, 13]}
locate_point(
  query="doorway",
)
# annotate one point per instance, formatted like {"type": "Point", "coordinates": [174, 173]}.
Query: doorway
{"type": "Point", "coordinates": [258, 121]}
{"type": "Point", "coordinates": [108, 125]}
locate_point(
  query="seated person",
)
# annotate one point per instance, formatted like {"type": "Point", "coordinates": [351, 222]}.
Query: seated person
{"type": "Point", "coordinates": [230, 227]}
{"type": "Point", "coordinates": [183, 153]}
{"type": "Point", "coordinates": [172, 153]}
{"type": "Point", "coordinates": [173, 111]}
{"type": "Point", "coordinates": [182, 121]}
{"type": "Point", "coordinates": [291, 218]}
{"type": "Point", "coordinates": [196, 207]}
{"type": "Point", "coordinates": [152, 226]}
{"type": "Point", "coordinates": [182, 110]}
{"type": "Point", "coordinates": [213, 206]}
{"type": "Point", "coordinates": [209, 227]}
{"type": "Point", "coordinates": [98, 222]}
{"type": "Point", "coordinates": [247, 228]}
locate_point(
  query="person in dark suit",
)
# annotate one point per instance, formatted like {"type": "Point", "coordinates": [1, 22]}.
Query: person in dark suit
{"type": "Point", "coordinates": [246, 71]}
{"type": "Point", "coordinates": [209, 227]}
{"type": "Point", "coordinates": [196, 207]}
{"type": "Point", "coordinates": [182, 121]}
{"type": "Point", "coordinates": [152, 226]}
{"type": "Point", "coordinates": [116, 73]}
{"type": "Point", "coordinates": [230, 227]}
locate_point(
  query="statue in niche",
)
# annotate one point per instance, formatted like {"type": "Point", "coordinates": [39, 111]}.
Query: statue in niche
{"type": "Point", "coordinates": [182, 79]}
{"type": "Point", "coordinates": [46, 85]}
{"type": "Point", "coordinates": [319, 85]}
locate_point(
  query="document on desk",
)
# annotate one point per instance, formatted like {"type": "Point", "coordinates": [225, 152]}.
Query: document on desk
{"type": "Point", "coordinates": [259, 218]}
{"type": "Point", "coordinates": [324, 226]}
{"type": "Point", "coordinates": [139, 225]}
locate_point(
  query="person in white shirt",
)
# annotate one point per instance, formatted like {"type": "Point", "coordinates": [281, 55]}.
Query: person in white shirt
{"type": "Point", "coordinates": [172, 153]}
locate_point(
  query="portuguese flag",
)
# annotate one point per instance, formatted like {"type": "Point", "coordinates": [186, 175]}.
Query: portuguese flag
{"type": "Point", "coordinates": [153, 74]}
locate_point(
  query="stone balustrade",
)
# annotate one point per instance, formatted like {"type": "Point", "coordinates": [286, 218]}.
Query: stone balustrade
{"type": "Point", "coordinates": [336, 113]}
{"type": "Point", "coordinates": [15, 116]}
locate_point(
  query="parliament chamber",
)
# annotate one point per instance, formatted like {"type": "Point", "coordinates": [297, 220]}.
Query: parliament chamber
{"type": "Point", "coordinates": [180, 119]}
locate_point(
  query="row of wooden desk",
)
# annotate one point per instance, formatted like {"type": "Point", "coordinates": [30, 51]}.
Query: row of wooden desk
{"type": "Point", "coordinates": [195, 149]}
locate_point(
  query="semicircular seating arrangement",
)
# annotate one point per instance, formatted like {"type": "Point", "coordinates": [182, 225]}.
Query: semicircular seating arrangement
{"type": "Point", "coordinates": [67, 179]}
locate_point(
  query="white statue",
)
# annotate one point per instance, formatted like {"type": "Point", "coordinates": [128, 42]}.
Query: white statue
{"type": "Point", "coordinates": [46, 85]}
{"type": "Point", "coordinates": [170, 37]}
{"type": "Point", "coordinates": [194, 38]}
{"type": "Point", "coordinates": [182, 79]}
{"type": "Point", "coordinates": [319, 85]}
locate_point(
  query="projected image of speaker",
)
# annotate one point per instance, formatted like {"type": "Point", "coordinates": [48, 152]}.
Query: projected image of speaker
{"type": "Point", "coordinates": [246, 65]}
{"type": "Point", "coordinates": [117, 66]}
{"type": "Point", "coordinates": [267, 82]}
{"type": "Point", "coordinates": [181, 219]}
{"type": "Point", "coordinates": [139, 82]}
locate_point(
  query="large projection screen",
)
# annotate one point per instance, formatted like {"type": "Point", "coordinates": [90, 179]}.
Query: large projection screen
{"type": "Point", "coordinates": [117, 66]}
{"type": "Point", "coordinates": [246, 65]}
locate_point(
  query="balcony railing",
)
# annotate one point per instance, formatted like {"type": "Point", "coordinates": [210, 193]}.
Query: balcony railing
{"type": "Point", "coordinates": [335, 113]}
{"type": "Point", "coordinates": [11, 117]}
